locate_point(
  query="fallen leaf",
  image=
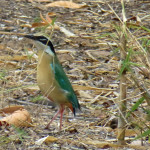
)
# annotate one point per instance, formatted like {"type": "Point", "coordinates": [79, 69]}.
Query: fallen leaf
{"type": "Point", "coordinates": [104, 145]}
{"type": "Point", "coordinates": [2, 46]}
{"type": "Point", "coordinates": [15, 57]}
{"type": "Point", "coordinates": [9, 64]}
{"type": "Point", "coordinates": [101, 144]}
{"type": "Point", "coordinates": [66, 4]}
{"type": "Point", "coordinates": [64, 57]}
{"type": "Point", "coordinates": [72, 130]}
{"type": "Point", "coordinates": [67, 32]}
{"type": "Point", "coordinates": [47, 140]}
{"type": "Point", "coordinates": [38, 24]}
{"type": "Point", "coordinates": [49, 20]}
{"type": "Point", "coordinates": [26, 25]}
{"type": "Point", "coordinates": [100, 54]}
{"type": "Point", "coordinates": [129, 132]}
{"type": "Point", "coordinates": [39, 0]}
{"type": "Point", "coordinates": [43, 19]}
{"type": "Point", "coordinates": [46, 22]}
{"type": "Point", "coordinates": [85, 94]}
{"type": "Point", "coordinates": [19, 118]}
{"type": "Point", "coordinates": [11, 109]}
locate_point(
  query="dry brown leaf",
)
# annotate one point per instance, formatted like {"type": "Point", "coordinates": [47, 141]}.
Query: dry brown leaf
{"type": "Point", "coordinates": [9, 64]}
{"type": "Point", "coordinates": [11, 109]}
{"type": "Point", "coordinates": [26, 25]}
{"type": "Point", "coordinates": [49, 20]}
{"type": "Point", "coordinates": [19, 118]}
{"type": "Point", "coordinates": [129, 132]}
{"type": "Point", "coordinates": [32, 88]}
{"type": "Point", "coordinates": [16, 57]}
{"type": "Point", "coordinates": [98, 54]}
{"type": "Point", "coordinates": [46, 21]}
{"type": "Point", "coordinates": [85, 94]}
{"type": "Point", "coordinates": [72, 130]}
{"type": "Point", "coordinates": [66, 4]}
{"type": "Point", "coordinates": [50, 139]}
{"type": "Point", "coordinates": [38, 24]}
{"type": "Point", "coordinates": [43, 19]}
{"type": "Point", "coordinates": [92, 57]}
{"type": "Point", "coordinates": [108, 129]}
{"type": "Point", "coordinates": [104, 145]}
{"type": "Point", "coordinates": [2, 46]}
{"type": "Point", "coordinates": [63, 57]}
{"type": "Point", "coordinates": [47, 140]}
{"type": "Point", "coordinates": [101, 144]}
{"type": "Point", "coordinates": [67, 32]}
{"type": "Point", "coordinates": [39, 0]}
{"type": "Point", "coordinates": [51, 14]}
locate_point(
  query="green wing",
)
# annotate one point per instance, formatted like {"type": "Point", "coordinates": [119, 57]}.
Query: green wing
{"type": "Point", "coordinates": [64, 82]}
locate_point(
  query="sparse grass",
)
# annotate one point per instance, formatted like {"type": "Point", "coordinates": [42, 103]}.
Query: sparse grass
{"type": "Point", "coordinates": [37, 99]}
{"type": "Point", "coordinates": [84, 71]}
{"type": "Point", "coordinates": [3, 74]}
{"type": "Point", "coordinates": [21, 133]}
{"type": "Point", "coordinates": [29, 55]}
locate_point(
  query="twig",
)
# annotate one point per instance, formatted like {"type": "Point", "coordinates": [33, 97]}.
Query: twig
{"type": "Point", "coordinates": [12, 33]}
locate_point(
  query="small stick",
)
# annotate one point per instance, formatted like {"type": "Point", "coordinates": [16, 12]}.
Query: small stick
{"type": "Point", "coordinates": [12, 33]}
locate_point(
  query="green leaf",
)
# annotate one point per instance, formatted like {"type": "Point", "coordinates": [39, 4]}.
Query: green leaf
{"type": "Point", "coordinates": [21, 133]}
{"type": "Point", "coordinates": [3, 74]}
{"type": "Point", "coordinates": [53, 21]}
{"type": "Point", "coordinates": [37, 99]}
{"type": "Point", "coordinates": [135, 64]}
{"type": "Point", "coordinates": [105, 35]}
{"type": "Point", "coordinates": [146, 29]}
{"type": "Point", "coordinates": [135, 106]}
{"type": "Point", "coordinates": [146, 133]}
{"type": "Point", "coordinates": [126, 63]}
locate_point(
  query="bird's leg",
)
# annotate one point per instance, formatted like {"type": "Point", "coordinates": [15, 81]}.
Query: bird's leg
{"type": "Point", "coordinates": [59, 111]}
{"type": "Point", "coordinates": [61, 115]}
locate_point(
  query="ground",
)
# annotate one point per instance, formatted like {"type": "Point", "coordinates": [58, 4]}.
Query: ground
{"type": "Point", "coordinates": [90, 60]}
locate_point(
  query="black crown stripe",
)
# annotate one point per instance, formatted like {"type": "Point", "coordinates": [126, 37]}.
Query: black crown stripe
{"type": "Point", "coordinates": [43, 40]}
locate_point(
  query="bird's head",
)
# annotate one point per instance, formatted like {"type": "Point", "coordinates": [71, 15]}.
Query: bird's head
{"type": "Point", "coordinates": [42, 43]}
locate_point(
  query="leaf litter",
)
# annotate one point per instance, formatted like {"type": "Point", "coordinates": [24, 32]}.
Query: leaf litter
{"type": "Point", "coordinates": [89, 60]}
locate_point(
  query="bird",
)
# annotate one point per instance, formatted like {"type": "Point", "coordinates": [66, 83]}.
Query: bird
{"type": "Point", "coordinates": [52, 79]}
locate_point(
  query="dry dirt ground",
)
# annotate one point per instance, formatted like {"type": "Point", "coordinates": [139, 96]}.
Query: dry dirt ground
{"type": "Point", "coordinates": [90, 62]}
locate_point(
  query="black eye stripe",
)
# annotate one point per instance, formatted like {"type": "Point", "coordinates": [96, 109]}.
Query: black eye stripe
{"type": "Point", "coordinates": [43, 40]}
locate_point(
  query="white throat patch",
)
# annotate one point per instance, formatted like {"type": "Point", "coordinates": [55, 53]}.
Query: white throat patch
{"type": "Point", "coordinates": [44, 48]}
{"type": "Point", "coordinates": [49, 51]}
